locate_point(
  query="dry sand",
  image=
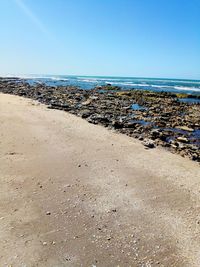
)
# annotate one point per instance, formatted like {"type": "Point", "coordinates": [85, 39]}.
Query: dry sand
{"type": "Point", "coordinates": [75, 194]}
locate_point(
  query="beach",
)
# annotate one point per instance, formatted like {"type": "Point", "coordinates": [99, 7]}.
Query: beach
{"type": "Point", "coordinates": [77, 194]}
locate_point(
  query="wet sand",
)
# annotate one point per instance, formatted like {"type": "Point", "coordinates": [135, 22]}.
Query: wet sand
{"type": "Point", "coordinates": [76, 194]}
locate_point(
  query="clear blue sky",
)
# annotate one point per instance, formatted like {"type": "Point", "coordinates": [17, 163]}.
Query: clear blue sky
{"type": "Point", "coordinates": [149, 38]}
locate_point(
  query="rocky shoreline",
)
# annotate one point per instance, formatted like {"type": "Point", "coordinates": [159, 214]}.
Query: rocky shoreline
{"type": "Point", "coordinates": [154, 118]}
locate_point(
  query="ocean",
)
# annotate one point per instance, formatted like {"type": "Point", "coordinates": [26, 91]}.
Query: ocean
{"type": "Point", "coordinates": [127, 83]}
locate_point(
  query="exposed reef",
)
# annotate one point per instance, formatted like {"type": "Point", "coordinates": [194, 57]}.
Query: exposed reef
{"type": "Point", "coordinates": [154, 118]}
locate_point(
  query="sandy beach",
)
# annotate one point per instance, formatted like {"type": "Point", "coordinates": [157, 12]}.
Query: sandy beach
{"type": "Point", "coordinates": [77, 194]}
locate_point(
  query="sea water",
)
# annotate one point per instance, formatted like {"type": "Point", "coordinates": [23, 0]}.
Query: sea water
{"type": "Point", "coordinates": [127, 83]}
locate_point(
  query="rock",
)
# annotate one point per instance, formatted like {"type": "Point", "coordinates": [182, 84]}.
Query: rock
{"type": "Point", "coordinates": [130, 124]}
{"type": "Point", "coordinates": [87, 102]}
{"type": "Point", "coordinates": [141, 137]}
{"type": "Point", "coordinates": [148, 143]}
{"type": "Point", "coordinates": [85, 113]}
{"type": "Point", "coordinates": [94, 97]}
{"type": "Point", "coordinates": [155, 133]}
{"type": "Point", "coordinates": [195, 157]}
{"type": "Point", "coordinates": [185, 128]}
{"type": "Point", "coordinates": [117, 124]}
{"type": "Point", "coordinates": [182, 139]}
{"type": "Point", "coordinates": [59, 106]}
{"type": "Point", "coordinates": [114, 210]}
{"type": "Point", "coordinates": [180, 145]}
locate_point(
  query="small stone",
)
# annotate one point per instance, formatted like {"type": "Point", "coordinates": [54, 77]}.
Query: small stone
{"type": "Point", "coordinates": [48, 213]}
{"type": "Point", "coordinates": [148, 143]}
{"type": "Point", "coordinates": [141, 138]}
{"type": "Point", "coordinates": [87, 102]}
{"type": "Point", "coordinates": [182, 139]}
{"type": "Point", "coordinates": [185, 128]}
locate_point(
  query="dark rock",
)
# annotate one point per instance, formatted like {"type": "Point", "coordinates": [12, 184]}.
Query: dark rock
{"type": "Point", "coordinates": [117, 124]}
{"type": "Point", "coordinates": [85, 113]}
{"type": "Point", "coordinates": [148, 143]}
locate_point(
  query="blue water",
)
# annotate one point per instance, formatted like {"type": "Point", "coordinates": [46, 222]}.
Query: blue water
{"type": "Point", "coordinates": [190, 100]}
{"type": "Point", "coordinates": [138, 107]}
{"type": "Point", "coordinates": [89, 82]}
{"type": "Point", "coordinates": [142, 122]}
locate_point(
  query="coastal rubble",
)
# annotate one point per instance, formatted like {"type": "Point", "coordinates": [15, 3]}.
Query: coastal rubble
{"type": "Point", "coordinates": [157, 119]}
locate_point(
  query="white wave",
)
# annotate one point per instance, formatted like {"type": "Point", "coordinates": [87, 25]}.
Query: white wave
{"type": "Point", "coordinates": [142, 84]}
{"type": "Point", "coordinates": [116, 80]}
{"type": "Point", "coordinates": [8, 75]}
{"type": "Point", "coordinates": [187, 88]}
{"type": "Point", "coordinates": [160, 86]}
{"type": "Point", "coordinates": [176, 87]}
{"type": "Point", "coordinates": [84, 79]}
{"type": "Point", "coordinates": [118, 83]}
{"type": "Point", "coordinates": [169, 81]}
{"type": "Point", "coordinates": [33, 77]}
{"type": "Point", "coordinates": [88, 81]}
{"type": "Point", "coordinates": [58, 79]}
{"type": "Point", "coordinates": [127, 84]}
{"type": "Point", "coordinates": [182, 81]}
{"type": "Point", "coordinates": [98, 79]}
